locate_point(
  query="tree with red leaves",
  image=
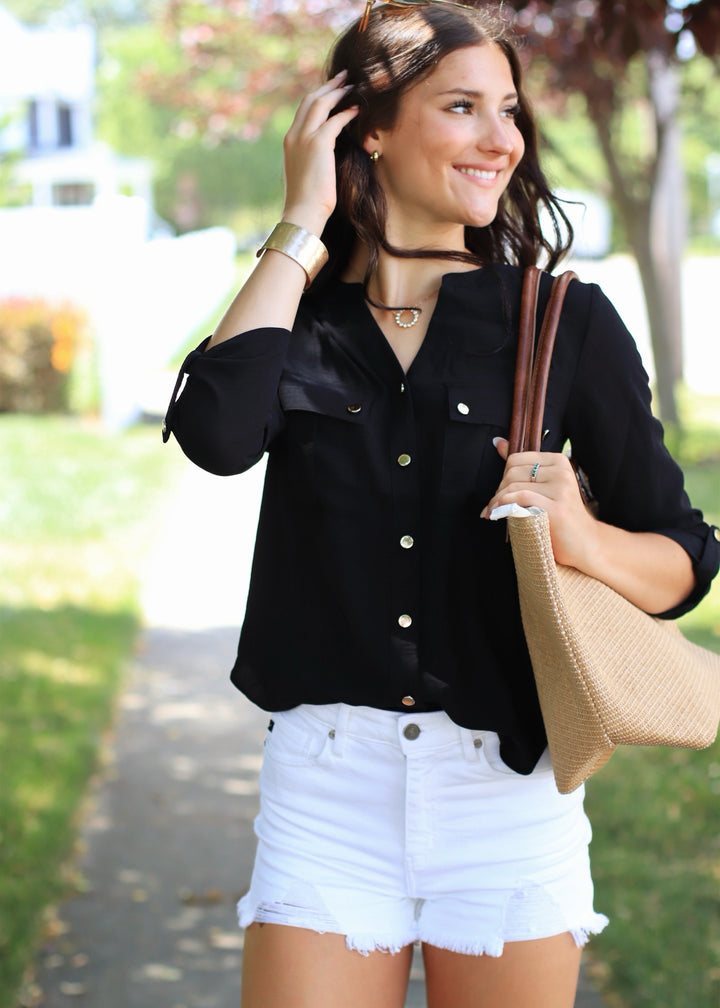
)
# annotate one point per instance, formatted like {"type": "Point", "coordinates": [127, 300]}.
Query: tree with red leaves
{"type": "Point", "coordinates": [618, 53]}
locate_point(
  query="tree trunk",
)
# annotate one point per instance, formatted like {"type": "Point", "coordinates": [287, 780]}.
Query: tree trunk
{"type": "Point", "coordinates": [668, 211]}
{"type": "Point", "coordinates": [655, 226]}
{"type": "Point", "coordinates": [659, 302]}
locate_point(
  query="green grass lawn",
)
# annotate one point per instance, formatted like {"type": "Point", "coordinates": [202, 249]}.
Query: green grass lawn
{"type": "Point", "coordinates": [77, 510]}
{"type": "Point", "coordinates": [656, 821]}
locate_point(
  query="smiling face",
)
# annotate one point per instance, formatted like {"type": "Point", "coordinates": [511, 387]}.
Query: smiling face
{"type": "Point", "coordinates": [452, 150]}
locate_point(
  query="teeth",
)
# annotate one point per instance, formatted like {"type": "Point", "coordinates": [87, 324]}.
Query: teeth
{"type": "Point", "coordinates": [477, 173]}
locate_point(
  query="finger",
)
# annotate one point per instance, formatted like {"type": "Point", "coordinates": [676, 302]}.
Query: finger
{"type": "Point", "coordinates": [316, 106]}
{"type": "Point", "coordinates": [522, 496]}
{"type": "Point", "coordinates": [337, 122]}
{"type": "Point", "coordinates": [502, 445]}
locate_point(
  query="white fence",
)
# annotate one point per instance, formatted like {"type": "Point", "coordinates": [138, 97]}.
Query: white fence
{"type": "Point", "coordinates": [144, 298]}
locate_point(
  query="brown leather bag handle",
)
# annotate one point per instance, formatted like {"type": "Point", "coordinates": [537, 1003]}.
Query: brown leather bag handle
{"type": "Point", "coordinates": [533, 366]}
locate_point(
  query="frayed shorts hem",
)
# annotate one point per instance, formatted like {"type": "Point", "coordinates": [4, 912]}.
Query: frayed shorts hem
{"type": "Point", "coordinates": [391, 829]}
{"type": "Point", "coordinates": [250, 912]}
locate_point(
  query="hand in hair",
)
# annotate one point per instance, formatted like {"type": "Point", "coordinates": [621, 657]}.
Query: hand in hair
{"type": "Point", "coordinates": [309, 146]}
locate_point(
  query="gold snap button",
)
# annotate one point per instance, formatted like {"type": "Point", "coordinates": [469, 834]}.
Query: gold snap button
{"type": "Point", "coordinates": [411, 731]}
{"type": "Point", "coordinates": [463, 408]}
{"type": "Point", "coordinates": [407, 542]}
{"type": "Point", "coordinates": [403, 459]}
{"type": "Point", "coordinates": [408, 701]}
{"type": "Point", "coordinates": [405, 621]}
{"type": "Point", "coordinates": [354, 408]}
{"type": "Point", "coordinates": [477, 742]}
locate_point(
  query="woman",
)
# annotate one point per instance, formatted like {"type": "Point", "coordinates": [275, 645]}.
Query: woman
{"type": "Point", "coordinates": [406, 791]}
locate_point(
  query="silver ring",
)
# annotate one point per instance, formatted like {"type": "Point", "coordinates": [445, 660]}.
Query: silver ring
{"type": "Point", "coordinates": [534, 472]}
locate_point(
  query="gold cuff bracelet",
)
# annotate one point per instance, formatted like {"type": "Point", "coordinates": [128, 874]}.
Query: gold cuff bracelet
{"type": "Point", "coordinates": [300, 245]}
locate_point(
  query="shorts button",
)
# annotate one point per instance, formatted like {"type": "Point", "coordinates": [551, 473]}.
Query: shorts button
{"type": "Point", "coordinates": [408, 701]}
{"type": "Point", "coordinates": [477, 743]}
{"type": "Point", "coordinates": [411, 731]}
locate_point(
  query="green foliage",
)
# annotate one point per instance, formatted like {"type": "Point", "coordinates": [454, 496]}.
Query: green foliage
{"type": "Point", "coordinates": [126, 118]}
{"type": "Point", "coordinates": [201, 179]}
{"type": "Point", "coordinates": [203, 186]}
{"type": "Point", "coordinates": [76, 516]}
{"type": "Point", "coordinates": [701, 138]}
{"type": "Point", "coordinates": [39, 344]}
{"type": "Point", "coordinates": [11, 193]}
{"type": "Point", "coordinates": [97, 12]}
{"type": "Point", "coordinates": [572, 157]}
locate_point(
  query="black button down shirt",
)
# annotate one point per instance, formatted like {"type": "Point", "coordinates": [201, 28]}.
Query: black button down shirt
{"type": "Point", "coordinates": [375, 582]}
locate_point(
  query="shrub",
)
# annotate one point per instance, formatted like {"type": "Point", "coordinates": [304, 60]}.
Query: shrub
{"type": "Point", "coordinates": [39, 343]}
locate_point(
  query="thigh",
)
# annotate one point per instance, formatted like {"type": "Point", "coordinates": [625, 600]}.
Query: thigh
{"type": "Point", "coordinates": [291, 967]}
{"type": "Point", "coordinates": [541, 973]}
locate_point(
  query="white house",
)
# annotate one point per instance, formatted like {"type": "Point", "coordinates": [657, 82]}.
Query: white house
{"type": "Point", "coordinates": [47, 89]}
{"type": "Point", "coordinates": [86, 233]}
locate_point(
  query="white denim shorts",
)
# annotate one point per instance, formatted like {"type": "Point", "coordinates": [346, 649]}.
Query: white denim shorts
{"type": "Point", "coordinates": [394, 828]}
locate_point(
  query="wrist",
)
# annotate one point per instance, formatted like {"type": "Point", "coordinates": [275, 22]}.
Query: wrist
{"type": "Point", "coordinates": [310, 218]}
{"type": "Point", "coordinates": [300, 245]}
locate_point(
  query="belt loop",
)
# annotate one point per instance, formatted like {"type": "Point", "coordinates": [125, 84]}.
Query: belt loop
{"type": "Point", "coordinates": [340, 729]}
{"type": "Point", "coordinates": [467, 744]}
{"type": "Point", "coordinates": [469, 740]}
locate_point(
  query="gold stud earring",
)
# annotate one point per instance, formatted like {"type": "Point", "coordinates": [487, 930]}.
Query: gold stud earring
{"type": "Point", "coordinates": [375, 157]}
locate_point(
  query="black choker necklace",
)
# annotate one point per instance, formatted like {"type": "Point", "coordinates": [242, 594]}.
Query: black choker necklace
{"type": "Point", "coordinates": [414, 311]}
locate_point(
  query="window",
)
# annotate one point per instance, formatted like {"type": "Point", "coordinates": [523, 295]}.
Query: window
{"type": "Point", "coordinates": [32, 125]}
{"type": "Point", "coordinates": [64, 125]}
{"type": "Point", "coordinates": [73, 193]}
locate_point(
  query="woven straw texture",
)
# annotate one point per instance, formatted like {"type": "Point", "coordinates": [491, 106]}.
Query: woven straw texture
{"type": "Point", "coordinates": [607, 674]}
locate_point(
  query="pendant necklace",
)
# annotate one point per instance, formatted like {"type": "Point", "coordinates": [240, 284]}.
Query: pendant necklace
{"type": "Point", "coordinates": [400, 314]}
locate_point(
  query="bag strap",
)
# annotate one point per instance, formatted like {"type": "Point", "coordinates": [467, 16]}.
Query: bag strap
{"type": "Point", "coordinates": [533, 366]}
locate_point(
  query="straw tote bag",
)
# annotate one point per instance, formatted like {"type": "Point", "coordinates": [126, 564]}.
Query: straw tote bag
{"type": "Point", "coordinates": [607, 674]}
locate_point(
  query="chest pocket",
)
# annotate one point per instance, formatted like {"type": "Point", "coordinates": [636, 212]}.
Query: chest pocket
{"type": "Point", "coordinates": [350, 405]}
{"type": "Point", "coordinates": [476, 414]}
{"type": "Point", "coordinates": [477, 404]}
{"type": "Point", "coordinates": [327, 437]}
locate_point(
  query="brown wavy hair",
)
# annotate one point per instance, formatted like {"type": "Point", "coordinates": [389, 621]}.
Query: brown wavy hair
{"type": "Point", "coordinates": [400, 47]}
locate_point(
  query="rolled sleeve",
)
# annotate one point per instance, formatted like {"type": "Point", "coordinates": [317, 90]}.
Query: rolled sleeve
{"type": "Point", "coordinates": [619, 445]}
{"type": "Point", "coordinates": [703, 548]}
{"type": "Point", "coordinates": [224, 410]}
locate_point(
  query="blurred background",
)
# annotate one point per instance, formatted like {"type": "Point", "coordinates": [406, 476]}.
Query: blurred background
{"type": "Point", "coordinates": [140, 167]}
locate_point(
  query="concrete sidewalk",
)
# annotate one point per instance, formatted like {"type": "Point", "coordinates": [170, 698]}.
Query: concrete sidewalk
{"type": "Point", "coordinates": [167, 844]}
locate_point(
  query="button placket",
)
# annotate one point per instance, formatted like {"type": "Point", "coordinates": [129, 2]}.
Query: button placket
{"type": "Point", "coordinates": [404, 569]}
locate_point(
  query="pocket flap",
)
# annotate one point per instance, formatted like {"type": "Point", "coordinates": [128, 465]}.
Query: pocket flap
{"type": "Point", "coordinates": [341, 403]}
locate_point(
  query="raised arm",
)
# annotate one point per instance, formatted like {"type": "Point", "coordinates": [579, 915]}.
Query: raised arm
{"type": "Point", "coordinates": [271, 295]}
{"type": "Point", "coordinates": [227, 413]}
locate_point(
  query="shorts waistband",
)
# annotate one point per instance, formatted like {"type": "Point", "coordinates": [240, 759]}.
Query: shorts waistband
{"type": "Point", "coordinates": [412, 732]}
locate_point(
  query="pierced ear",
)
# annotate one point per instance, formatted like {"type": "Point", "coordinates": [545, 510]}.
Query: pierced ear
{"type": "Point", "coordinates": [371, 143]}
